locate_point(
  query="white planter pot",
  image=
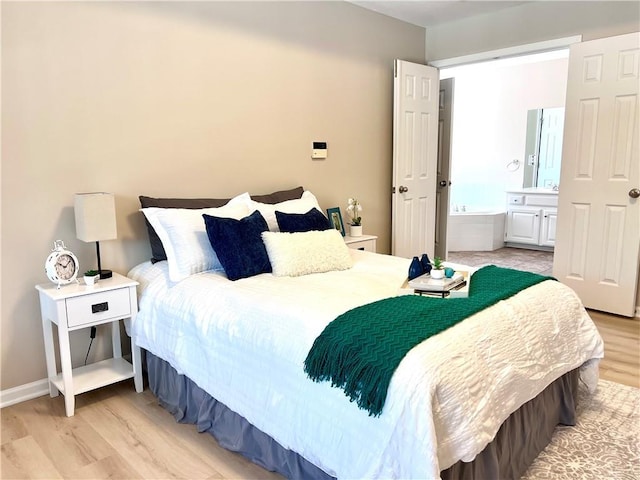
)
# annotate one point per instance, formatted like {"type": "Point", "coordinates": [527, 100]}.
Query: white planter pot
{"type": "Point", "coordinates": [355, 230]}
{"type": "Point", "coordinates": [437, 274]}
{"type": "Point", "coordinates": [90, 281]}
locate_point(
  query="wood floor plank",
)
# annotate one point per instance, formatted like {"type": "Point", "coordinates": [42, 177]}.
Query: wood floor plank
{"type": "Point", "coordinates": [621, 336]}
{"type": "Point", "coordinates": [111, 467]}
{"type": "Point", "coordinates": [229, 464]}
{"type": "Point", "coordinates": [23, 458]}
{"type": "Point", "coordinates": [70, 442]}
{"type": "Point", "coordinates": [154, 452]}
{"type": "Point", "coordinates": [12, 426]}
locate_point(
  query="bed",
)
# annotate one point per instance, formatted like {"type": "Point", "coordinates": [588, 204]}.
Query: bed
{"type": "Point", "coordinates": [229, 357]}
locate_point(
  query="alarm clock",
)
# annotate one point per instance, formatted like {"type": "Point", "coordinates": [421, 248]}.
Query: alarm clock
{"type": "Point", "coordinates": [62, 265]}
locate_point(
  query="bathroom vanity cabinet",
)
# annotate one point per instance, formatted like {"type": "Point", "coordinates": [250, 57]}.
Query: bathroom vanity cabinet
{"type": "Point", "coordinates": [531, 218]}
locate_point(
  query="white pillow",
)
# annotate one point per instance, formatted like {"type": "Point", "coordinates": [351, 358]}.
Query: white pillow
{"type": "Point", "coordinates": [184, 236]}
{"type": "Point", "coordinates": [300, 205]}
{"type": "Point", "coordinates": [301, 253]}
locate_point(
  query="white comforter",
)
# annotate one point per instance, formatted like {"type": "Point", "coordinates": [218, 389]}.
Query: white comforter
{"type": "Point", "coordinates": [245, 342]}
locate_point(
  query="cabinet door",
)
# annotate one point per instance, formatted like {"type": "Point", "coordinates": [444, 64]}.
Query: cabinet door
{"type": "Point", "coordinates": [548, 232]}
{"type": "Point", "coordinates": [523, 226]}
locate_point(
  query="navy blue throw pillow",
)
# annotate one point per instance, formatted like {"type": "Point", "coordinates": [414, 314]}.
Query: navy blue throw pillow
{"type": "Point", "coordinates": [238, 244]}
{"type": "Point", "coordinates": [314, 219]}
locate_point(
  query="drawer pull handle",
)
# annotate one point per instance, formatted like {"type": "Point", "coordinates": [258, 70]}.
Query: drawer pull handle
{"type": "Point", "coordinates": [100, 307]}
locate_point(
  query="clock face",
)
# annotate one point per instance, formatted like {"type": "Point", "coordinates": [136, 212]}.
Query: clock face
{"type": "Point", "coordinates": [61, 265]}
{"type": "Point", "coordinates": [65, 267]}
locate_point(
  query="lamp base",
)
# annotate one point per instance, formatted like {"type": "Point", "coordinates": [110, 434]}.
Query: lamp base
{"type": "Point", "coordinates": [105, 274]}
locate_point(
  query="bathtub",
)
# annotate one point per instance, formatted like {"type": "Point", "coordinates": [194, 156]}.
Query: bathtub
{"type": "Point", "coordinates": [481, 231]}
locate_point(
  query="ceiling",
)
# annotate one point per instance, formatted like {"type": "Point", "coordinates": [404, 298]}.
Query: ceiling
{"type": "Point", "coordinates": [428, 13]}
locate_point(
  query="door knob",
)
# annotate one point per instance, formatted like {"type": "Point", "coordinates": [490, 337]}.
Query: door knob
{"type": "Point", "coordinates": [403, 189]}
{"type": "Point", "coordinates": [444, 183]}
{"type": "Point", "coordinates": [634, 192]}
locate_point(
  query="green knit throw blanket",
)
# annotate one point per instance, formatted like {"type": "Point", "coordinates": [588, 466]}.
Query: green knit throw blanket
{"type": "Point", "coordinates": [360, 350]}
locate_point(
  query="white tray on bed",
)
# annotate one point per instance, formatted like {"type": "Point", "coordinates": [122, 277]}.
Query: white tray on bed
{"type": "Point", "coordinates": [454, 287]}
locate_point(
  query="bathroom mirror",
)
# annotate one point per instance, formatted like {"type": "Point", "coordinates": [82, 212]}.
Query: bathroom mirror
{"type": "Point", "coordinates": [543, 148]}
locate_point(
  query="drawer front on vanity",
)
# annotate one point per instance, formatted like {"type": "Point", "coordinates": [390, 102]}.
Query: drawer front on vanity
{"type": "Point", "coordinates": [515, 199]}
{"type": "Point", "coordinates": [100, 306]}
{"type": "Point", "coordinates": [542, 200]}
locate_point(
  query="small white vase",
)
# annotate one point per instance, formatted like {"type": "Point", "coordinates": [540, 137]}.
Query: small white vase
{"type": "Point", "coordinates": [90, 281]}
{"type": "Point", "coordinates": [437, 274]}
{"type": "Point", "coordinates": [355, 230]}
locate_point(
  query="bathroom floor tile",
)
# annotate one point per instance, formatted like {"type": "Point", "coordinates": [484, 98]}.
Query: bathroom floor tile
{"type": "Point", "coordinates": [519, 258]}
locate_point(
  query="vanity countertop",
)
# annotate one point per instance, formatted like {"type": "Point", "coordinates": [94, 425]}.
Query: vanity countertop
{"type": "Point", "coordinates": [534, 190]}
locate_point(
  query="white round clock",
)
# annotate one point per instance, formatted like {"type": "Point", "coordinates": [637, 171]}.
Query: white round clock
{"type": "Point", "coordinates": [62, 265]}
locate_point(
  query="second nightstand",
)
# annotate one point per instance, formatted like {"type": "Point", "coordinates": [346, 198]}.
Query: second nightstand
{"type": "Point", "coordinates": [77, 306]}
{"type": "Point", "coordinates": [365, 242]}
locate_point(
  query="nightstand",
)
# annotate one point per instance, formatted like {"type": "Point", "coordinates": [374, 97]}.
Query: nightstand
{"type": "Point", "coordinates": [364, 242]}
{"type": "Point", "coordinates": [76, 306]}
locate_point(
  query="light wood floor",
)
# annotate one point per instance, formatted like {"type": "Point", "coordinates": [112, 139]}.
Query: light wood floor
{"type": "Point", "coordinates": [117, 433]}
{"type": "Point", "coordinates": [621, 335]}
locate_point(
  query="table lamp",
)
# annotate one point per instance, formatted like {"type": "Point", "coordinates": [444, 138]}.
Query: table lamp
{"type": "Point", "coordinates": [96, 220]}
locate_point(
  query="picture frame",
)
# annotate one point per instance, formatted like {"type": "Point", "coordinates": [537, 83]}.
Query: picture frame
{"type": "Point", "coordinates": [335, 219]}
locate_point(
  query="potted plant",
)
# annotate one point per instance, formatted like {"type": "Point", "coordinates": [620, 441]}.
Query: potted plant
{"type": "Point", "coordinates": [354, 207]}
{"type": "Point", "coordinates": [437, 270]}
{"type": "Point", "coordinates": [91, 277]}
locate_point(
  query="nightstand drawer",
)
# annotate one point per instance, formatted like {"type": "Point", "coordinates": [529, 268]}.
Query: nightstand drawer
{"type": "Point", "coordinates": [367, 245]}
{"type": "Point", "coordinates": [100, 306]}
{"type": "Point", "coordinates": [363, 242]}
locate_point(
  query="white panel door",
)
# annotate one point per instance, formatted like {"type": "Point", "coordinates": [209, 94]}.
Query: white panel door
{"type": "Point", "coordinates": [415, 142]}
{"type": "Point", "coordinates": [598, 232]}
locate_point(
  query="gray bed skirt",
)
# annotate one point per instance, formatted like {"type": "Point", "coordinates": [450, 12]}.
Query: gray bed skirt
{"type": "Point", "coordinates": [520, 438]}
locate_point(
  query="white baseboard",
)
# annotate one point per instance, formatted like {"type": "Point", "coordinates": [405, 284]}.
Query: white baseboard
{"type": "Point", "coordinates": [25, 392]}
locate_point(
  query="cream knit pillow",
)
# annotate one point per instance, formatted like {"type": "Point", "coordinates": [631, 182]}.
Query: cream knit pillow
{"type": "Point", "coordinates": [301, 253]}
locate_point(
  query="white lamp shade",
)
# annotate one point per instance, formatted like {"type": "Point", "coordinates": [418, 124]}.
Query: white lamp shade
{"type": "Point", "coordinates": [95, 216]}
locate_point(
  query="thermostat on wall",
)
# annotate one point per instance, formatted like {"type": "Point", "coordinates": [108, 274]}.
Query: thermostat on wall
{"type": "Point", "coordinates": [319, 151]}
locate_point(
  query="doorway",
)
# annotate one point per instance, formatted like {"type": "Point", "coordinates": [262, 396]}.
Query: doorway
{"type": "Point", "coordinates": [489, 136]}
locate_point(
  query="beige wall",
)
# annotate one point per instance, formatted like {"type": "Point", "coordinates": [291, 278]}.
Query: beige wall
{"type": "Point", "coordinates": [206, 99]}
{"type": "Point", "coordinates": [529, 23]}
{"type": "Point", "coordinates": [180, 99]}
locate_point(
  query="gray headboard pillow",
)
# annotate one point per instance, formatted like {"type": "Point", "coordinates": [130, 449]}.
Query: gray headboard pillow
{"type": "Point", "coordinates": [157, 251]}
